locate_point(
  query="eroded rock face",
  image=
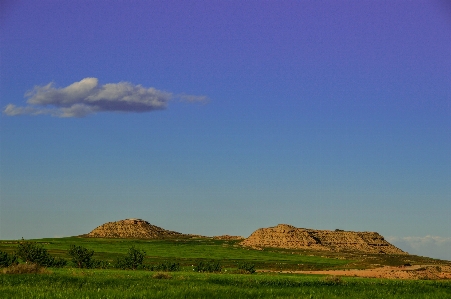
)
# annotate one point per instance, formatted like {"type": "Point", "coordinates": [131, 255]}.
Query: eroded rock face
{"type": "Point", "coordinates": [290, 237]}
{"type": "Point", "coordinates": [131, 229]}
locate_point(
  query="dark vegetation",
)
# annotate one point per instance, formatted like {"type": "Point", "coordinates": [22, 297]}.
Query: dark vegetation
{"type": "Point", "coordinates": [165, 266]}
{"type": "Point", "coordinates": [7, 260]}
{"type": "Point", "coordinates": [208, 266]}
{"type": "Point", "coordinates": [34, 253]}
{"type": "Point", "coordinates": [247, 268]}
{"type": "Point", "coordinates": [82, 258]}
{"type": "Point", "coordinates": [132, 260]}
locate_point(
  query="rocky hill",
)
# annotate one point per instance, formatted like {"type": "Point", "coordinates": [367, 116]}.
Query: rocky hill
{"type": "Point", "coordinates": [131, 228]}
{"type": "Point", "coordinates": [290, 237]}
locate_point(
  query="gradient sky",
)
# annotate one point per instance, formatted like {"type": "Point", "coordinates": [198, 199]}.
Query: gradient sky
{"type": "Point", "coordinates": [221, 117]}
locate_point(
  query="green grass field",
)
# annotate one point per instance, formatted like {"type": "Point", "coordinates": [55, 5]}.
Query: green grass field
{"type": "Point", "coordinates": [75, 283]}
{"type": "Point", "coordinates": [70, 282]}
{"type": "Point", "coordinates": [188, 252]}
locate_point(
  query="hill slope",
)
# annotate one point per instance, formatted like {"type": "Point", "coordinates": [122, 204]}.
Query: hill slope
{"type": "Point", "coordinates": [131, 228]}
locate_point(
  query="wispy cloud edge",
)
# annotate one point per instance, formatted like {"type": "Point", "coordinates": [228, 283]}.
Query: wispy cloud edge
{"type": "Point", "coordinates": [88, 97]}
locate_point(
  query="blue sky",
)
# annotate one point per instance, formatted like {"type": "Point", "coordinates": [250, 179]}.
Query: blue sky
{"type": "Point", "coordinates": [221, 117]}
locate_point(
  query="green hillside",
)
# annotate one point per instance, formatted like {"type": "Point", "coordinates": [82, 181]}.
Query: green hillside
{"type": "Point", "coordinates": [188, 251]}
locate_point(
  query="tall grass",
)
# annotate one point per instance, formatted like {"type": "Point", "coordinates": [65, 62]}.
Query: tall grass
{"type": "Point", "coordinates": [75, 283]}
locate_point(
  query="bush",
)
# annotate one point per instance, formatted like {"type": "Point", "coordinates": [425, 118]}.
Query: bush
{"type": "Point", "coordinates": [25, 269]}
{"type": "Point", "coordinates": [57, 263]}
{"type": "Point", "coordinates": [31, 252]}
{"type": "Point", "coordinates": [208, 266]}
{"type": "Point", "coordinates": [82, 257]}
{"type": "Point", "coordinates": [247, 268]}
{"type": "Point", "coordinates": [7, 260]}
{"type": "Point", "coordinates": [133, 260]}
{"type": "Point", "coordinates": [166, 266]}
{"type": "Point", "coordinates": [334, 280]}
{"type": "Point", "coordinates": [97, 264]}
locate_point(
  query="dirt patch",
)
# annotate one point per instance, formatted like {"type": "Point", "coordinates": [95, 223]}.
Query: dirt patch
{"type": "Point", "coordinates": [290, 237]}
{"type": "Point", "coordinates": [427, 272]}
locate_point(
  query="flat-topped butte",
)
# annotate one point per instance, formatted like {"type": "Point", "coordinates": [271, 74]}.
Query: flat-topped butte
{"type": "Point", "coordinates": [290, 237]}
{"type": "Point", "coordinates": [131, 229]}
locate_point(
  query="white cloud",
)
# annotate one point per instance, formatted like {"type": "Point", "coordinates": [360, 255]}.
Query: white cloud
{"type": "Point", "coordinates": [87, 97]}
{"type": "Point", "coordinates": [431, 246]}
{"type": "Point", "coordinates": [13, 110]}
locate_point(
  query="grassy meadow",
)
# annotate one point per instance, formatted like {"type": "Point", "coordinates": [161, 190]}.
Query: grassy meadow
{"type": "Point", "coordinates": [188, 251]}
{"type": "Point", "coordinates": [71, 282]}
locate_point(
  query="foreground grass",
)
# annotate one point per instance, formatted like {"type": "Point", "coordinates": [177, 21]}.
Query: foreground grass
{"type": "Point", "coordinates": [75, 283]}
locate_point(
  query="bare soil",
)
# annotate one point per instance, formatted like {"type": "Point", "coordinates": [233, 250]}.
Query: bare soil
{"type": "Point", "coordinates": [427, 272]}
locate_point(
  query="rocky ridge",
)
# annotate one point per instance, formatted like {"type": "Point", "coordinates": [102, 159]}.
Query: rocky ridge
{"type": "Point", "coordinates": [290, 237]}
{"type": "Point", "coordinates": [133, 229]}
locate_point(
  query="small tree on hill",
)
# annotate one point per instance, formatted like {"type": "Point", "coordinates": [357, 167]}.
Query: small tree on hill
{"type": "Point", "coordinates": [133, 260]}
{"type": "Point", "coordinates": [7, 260]}
{"type": "Point", "coordinates": [82, 257]}
{"type": "Point", "coordinates": [31, 252]}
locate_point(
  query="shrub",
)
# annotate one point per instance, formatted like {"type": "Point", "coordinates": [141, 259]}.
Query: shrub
{"type": "Point", "coordinates": [81, 257]}
{"type": "Point", "coordinates": [25, 269]}
{"type": "Point", "coordinates": [166, 266]}
{"type": "Point", "coordinates": [7, 260]}
{"type": "Point", "coordinates": [208, 266]}
{"type": "Point", "coordinates": [247, 268]}
{"type": "Point", "coordinates": [57, 262]}
{"type": "Point", "coordinates": [31, 252]}
{"type": "Point", "coordinates": [97, 264]}
{"type": "Point", "coordinates": [333, 279]}
{"type": "Point", "coordinates": [133, 260]}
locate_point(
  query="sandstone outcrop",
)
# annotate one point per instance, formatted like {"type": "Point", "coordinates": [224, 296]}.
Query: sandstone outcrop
{"type": "Point", "coordinates": [290, 237]}
{"type": "Point", "coordinates": [131, 229]}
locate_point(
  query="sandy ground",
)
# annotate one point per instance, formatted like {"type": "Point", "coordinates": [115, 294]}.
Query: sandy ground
{"type": "Point", "coordinates": [403, 272]}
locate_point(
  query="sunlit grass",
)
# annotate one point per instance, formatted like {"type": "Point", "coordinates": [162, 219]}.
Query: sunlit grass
{"type": "Point", "coordinates": [75, 283]}
{"type": "Point", "coordinates": [188, 251]}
